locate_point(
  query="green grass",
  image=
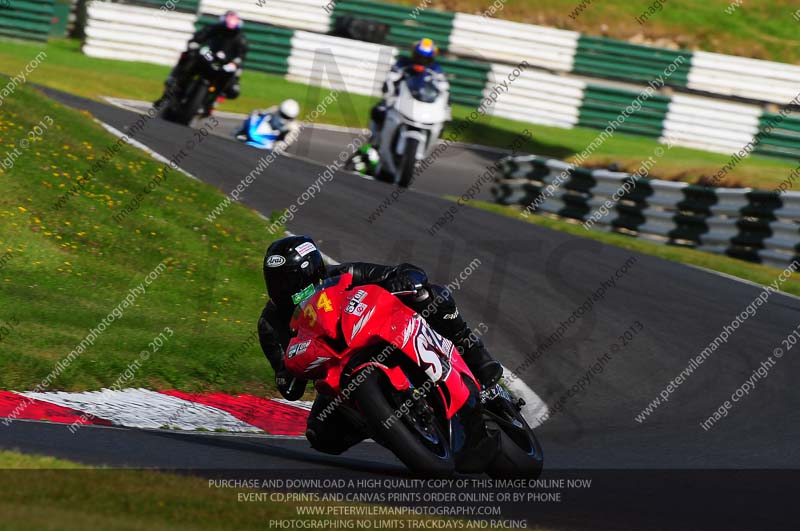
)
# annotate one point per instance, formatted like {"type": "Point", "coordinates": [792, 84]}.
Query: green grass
{"type": "Point", "coordinates": [763, 29]}
{"type": "Point", "coordinates": [757, 273]}
{"type": "Point", "coordinates": [66, 269]}
{"type": "Point", "coordinates": [43, 493]}
{"type": "Point", "coordinates": [67, 69]}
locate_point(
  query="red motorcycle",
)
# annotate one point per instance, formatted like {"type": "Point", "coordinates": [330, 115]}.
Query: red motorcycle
{"type": "Point", "coordinates": [402, 381]}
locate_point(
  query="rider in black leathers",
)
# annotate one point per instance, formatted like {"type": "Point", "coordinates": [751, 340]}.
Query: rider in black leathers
{"type": "Point", "coordinates": [286, 275]}
{"type": "Point", "coordinates": [226, 36]}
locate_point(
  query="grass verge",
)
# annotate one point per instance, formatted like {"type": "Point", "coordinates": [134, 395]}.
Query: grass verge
{"type": "Point", "coordinates": [64, 270]}
{"type": "Point", "coordinates": [43, 493]}
{"type": "Point", "coordinates": [67, 69]}
{"type": "Point", "coordinates": [757, 273]}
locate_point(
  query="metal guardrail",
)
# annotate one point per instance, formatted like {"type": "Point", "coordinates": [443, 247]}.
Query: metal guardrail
{"type": "Point", "coordinates": [406, 24]}
{"type": "Point", "coordinates": [306, 15]}
{"type": "Point", "coordinates": [753, 225]}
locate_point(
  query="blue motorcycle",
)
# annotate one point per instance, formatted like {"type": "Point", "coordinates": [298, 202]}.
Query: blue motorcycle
{"type": "Point", "coordinates": [262, 130]}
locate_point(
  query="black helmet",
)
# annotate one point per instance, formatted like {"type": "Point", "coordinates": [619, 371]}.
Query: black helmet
{"type": "Point", "coordinates": [292, 265]}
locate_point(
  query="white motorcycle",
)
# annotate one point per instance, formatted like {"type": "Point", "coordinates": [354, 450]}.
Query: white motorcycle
{"type": "Point", "coordinates": [412, 127]}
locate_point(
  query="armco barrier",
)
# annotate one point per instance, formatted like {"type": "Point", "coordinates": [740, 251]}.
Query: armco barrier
{"type": "Point", "coordinates": [754, 79]}
{"type": "Point", "coordinates": [710, 125]}
{"type": "Point", "coordinates": [180, 6]}
{"type": "Point", "coordinates": [407, 24]}
{"type": "Point", "coordinates": [361, 67]}
{"type": "Point", "coordinates": [468, 80]}
{"type": "Point", "coordinates": [537, 97]}
{"type": "Point", "coordinates": [491, 41]}
{"type": "Point", "coordinates": [783, 244]}
{"type": "Point", "coordinates": [308, 15]}
{"type": "Point", "coordinates": [601, 57]}
{"type": "Point", "coordinates": [26, 19]}
{"type": "Point", "coordinates": [506, 42]}
{"type": "Point", "coordinates": [780, 136]}
{"type": "Point", "coordinates": [337, 63]}
{"type": "Point", "coordinates": [748, 224]}
{"type": "Point", "coordinates": [501, 41]}
{"type": "Point", "coordinates": [603, 104]}
{"type": "Point", "coordinates": [133, 33]}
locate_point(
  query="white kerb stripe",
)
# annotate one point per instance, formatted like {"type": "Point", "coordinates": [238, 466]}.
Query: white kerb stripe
{"type": "Point", "coordinates": [141, 408]}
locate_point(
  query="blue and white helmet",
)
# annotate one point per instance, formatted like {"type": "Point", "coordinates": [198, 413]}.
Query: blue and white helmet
{"type": "Point", "coordinates": [425, 52]}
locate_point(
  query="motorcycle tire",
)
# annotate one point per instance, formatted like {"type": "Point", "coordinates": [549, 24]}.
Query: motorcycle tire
{"type": "Point", "coordinates": [193, 103]}
{"type": "Point", "coordinates": [372, 397]}
{"type": "Point", "coordinates": [167, 111]}
{"type": "Point", "coordinates": [519, 453]}
{"type": "Point", "coordinates": [409, 163]}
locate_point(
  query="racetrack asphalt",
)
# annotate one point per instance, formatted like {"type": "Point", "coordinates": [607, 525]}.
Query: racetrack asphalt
{"type": "Point", "coordinates": [527, 282]}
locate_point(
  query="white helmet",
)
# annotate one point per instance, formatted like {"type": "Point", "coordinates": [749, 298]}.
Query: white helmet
{"type": "Point", "coordinates": [290, 109]}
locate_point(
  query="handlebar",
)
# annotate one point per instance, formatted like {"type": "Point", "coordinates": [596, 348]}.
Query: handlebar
{"type": "Point", "coordinates": [402, 293]}
{"type": "Point", "coordinates": [415, 291]}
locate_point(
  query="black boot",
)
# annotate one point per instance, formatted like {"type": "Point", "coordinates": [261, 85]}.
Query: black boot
{"type": "Point", "coordinates": [486, 369]}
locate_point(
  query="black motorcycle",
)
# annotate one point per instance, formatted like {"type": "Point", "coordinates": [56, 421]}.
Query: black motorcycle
{"type": "Point", "coordinates": [202, 88]}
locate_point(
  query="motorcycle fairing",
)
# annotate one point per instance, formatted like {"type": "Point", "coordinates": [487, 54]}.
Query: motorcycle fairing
{"type": "Point", "coordinates": [362, 317]}
{"type": "Point", "coordinates": [260, 132]}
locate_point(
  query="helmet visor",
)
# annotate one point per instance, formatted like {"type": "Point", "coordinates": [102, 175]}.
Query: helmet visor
{"type": "Point", "coordinates": [232, 21]}
{"type": "Point", "coordinates": [285, 283]}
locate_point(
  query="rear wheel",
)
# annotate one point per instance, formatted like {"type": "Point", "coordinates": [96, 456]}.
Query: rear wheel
{"type": "Point", "coordinates": [417, 437]}
{"type": "Point", "coordinates": [409, 163]}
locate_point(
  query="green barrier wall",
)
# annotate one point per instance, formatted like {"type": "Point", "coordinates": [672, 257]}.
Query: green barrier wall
{"type": "Point", "coordinates": [601, 57]}
{"type": "Point", "coordinates": [181, 6]}
{"type": "Point", "coordinates": [26, 19]}
{"type": "Point", "coordinates": [780, 136]}
{"type": "Point", "coordinates": [269, 46]}
{"type": "Point", "coordinates": [467, 80]}
{"type": "Point", "coordinates": [602, 104]}
{"type": "Point", "coordinates": [405, 27]}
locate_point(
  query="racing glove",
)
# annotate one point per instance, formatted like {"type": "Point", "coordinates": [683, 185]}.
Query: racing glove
{"type": "Point", "coordinates": [230, 67]}
{"type": "Point", "coordinates": [290, 387]}
{"type": "Point", "coordinates": [406, 279]}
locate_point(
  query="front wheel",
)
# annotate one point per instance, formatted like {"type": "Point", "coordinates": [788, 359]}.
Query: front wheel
{"type": "Point", "coordinates": [196, 98]}
{"type": "Point", "coordinates": [416, 437]}
{"type": "Point", "coordinates": [409, 163]}
{"type": "Point", "coordinates": [519, 454]}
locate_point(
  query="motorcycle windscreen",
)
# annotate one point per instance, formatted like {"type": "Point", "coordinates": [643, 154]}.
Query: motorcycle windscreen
{"type": "Point", "coordinates": [317, 321]}
{"type": "Point", "coordinates": [423, 88]}
{"type": "Point", "coordinates": [319, 315]}
{"type": "Point", "coordinates": [420, 112]}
